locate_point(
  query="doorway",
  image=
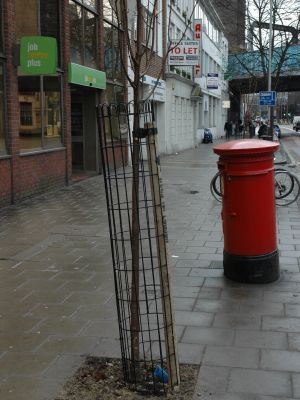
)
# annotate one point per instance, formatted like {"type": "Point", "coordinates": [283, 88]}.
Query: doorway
{"type": "Point", "coordinates": [77, 135]}
{"type": "Point", "coordinates": [84, 131]}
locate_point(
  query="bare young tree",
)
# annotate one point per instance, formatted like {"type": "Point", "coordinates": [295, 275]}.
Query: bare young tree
{"type": "Point", "coordinates": [138, 22]}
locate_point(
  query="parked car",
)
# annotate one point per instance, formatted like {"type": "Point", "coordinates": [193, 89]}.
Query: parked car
{"type": "Point", "coordinates": [277, 131]}
{"type": "Point", "coordinates": [296, 126]}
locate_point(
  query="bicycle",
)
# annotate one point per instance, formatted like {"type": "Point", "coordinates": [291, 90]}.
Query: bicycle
{"type": "Point", "coordinates": [287, 187]}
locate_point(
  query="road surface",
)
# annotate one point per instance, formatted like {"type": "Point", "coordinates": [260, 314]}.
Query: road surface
{"type": "Point", "coordinates": [291, 140]}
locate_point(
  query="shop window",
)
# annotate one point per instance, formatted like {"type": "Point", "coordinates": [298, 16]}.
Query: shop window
{"type": "Point", "coordinates": [26, 18]}
{"type": "Point", "coordinates": [112, 57]}
{"type": "Point", "coordinates": [90, 39]}
{"type": "Point", "coordinates": [118, 126]}
{"type": "Point", "coordinates": [83, 33]}
{"type": "Point", "coordinates": [40, 112]}
{"type": "Point", "coordinates": [30, 113]}
{"type": "Point", "coordinates": [39, 17]}
{"type": "Point", "coordinates": [90, 3]}
{"type": "Point", "coordinates": [108, 11]}
{"type": "Point", "coordinates": [115, 92]}
{"type": "Point", "coordinates": [52, 111]}
{"type": "Point", "coordinates": [26, 113]}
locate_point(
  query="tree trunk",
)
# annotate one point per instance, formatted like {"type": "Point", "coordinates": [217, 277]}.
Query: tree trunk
{"type": "Point", "coordinates": [135, 244]}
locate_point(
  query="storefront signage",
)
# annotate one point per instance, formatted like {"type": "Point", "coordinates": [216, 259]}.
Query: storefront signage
{"type": "Point", "coordinates": [159, 93]}
{"type": "Point", "coordinates": [38, 55]}
{"type": "Point", "coordinates": [226, 104]}
{"type": "Point", "coordinates": [197, 36]}
{"type": "Point", "coordinates": [84, 76]}
{"type": "Point", "coordinates": [212, 81]}
{"type": "Point", "coordinates": [185, 53]}
{"type": "Point", "coordinates": [197, 29]}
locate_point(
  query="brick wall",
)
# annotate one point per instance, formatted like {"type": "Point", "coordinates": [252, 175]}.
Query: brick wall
{"type": "Point", "coordinates": [5, 182]}
{"type": "Point", "coordinates": [39, 173]}
{"type": "Point", "coordinates": [22, 176]}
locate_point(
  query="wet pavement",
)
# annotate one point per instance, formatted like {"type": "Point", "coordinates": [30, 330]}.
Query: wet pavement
{"type": "Point", "coordinates": [57, 295]}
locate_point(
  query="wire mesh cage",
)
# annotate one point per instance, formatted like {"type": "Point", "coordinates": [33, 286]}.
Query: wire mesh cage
{"type": "Point", "coordinates": [139, 245]}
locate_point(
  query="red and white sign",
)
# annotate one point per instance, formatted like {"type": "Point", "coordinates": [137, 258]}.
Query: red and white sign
{"type": "Point", "coordinates": [186, 53]}
{"type": "Point", "coordinates": [197, 36]}
{"type": "Point", "coordinates": [197, 29]}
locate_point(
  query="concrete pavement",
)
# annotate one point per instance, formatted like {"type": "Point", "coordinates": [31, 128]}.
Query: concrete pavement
{"type": "Point", "coordinates": [57, 297]}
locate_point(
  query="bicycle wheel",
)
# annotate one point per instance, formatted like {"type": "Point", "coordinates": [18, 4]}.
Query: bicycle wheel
{"type": "Point", "coordinates": [284, 183]}
{"type": "Point", "coordinates": [290, 195]}
{"type": "Point", "coordinates": [215, 187]}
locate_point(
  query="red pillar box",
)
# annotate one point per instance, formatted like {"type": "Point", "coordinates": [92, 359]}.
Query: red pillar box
{"type": "Point", "coordinates": [248, 211]}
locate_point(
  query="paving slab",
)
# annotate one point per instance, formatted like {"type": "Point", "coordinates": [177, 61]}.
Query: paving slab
{"type": "Point", "coordinates": [57, 292]}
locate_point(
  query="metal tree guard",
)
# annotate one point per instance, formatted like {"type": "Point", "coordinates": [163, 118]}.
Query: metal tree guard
{"type": "Point", "coordinates": [139, 247]}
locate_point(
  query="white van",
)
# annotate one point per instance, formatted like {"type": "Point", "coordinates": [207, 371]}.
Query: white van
{"type": "Point", "coordinates": [296, 123]}
{"type": "Point", "coordinates": [296, 119]}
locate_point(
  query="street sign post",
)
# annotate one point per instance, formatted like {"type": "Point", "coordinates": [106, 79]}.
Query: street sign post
{"type": "Point", "coordinates": [267, 98]}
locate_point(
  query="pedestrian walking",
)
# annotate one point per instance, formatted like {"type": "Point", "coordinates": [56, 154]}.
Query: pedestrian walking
{"type": "Point", "coordinates": [263, 129]}
{"type": "Point", "coordinates": [228, 129]}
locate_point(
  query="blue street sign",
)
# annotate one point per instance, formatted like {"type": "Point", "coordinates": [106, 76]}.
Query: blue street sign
{"type": "Point", "coordinates": [267, 98]}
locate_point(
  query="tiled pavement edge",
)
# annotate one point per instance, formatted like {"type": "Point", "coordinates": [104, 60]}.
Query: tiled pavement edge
{"type": "Point", "coordinates": [57, 302]}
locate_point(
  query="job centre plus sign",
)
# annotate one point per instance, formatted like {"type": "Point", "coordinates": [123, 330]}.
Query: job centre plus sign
{"type": "Point", "coordinates": [38, 55]}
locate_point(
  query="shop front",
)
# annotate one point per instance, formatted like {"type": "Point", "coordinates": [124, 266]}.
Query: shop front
{"type": "Point", "coordinates": [155, 89]}
{"type": "Point", "coordinates": [85, 84]}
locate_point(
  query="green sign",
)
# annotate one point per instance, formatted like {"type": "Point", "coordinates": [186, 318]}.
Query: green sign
{"type": "Point", "coordinates": [86, 76]}
{"type": "Point", "coordinates": [227, 76]}
{"type": "Point", "coordinates": [38, 55]}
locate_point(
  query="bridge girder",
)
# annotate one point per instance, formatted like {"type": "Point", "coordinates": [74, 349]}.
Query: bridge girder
{"type": "Point", "coordinates": [247, 85]}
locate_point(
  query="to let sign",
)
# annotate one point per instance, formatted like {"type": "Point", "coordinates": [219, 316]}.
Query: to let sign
{"type": "Point", "coordinates": [185, 53]}
{"type": "Point", "coordinates": [212, 81]}
{"type": "Point", "coordinates": [38, 55]}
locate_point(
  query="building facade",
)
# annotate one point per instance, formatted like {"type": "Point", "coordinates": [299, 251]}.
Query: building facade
{"type": "Point", "coordinates": [233, 15]}
{"type": "Point", "coordinates": [180, 126]}
{"type": "Point", "coordinates": [214, 56]}
{"type": "Point", "coordinates": [60, 58]}
{"type": "Point", "coordinates": [192, 105]}
{"type": "Point", "coordinates": [48, 129]}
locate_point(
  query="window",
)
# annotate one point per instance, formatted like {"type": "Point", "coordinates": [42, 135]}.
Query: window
{"type": "Point", "coordinates": [172, 31]}
{"type": "Point", "coordinates": [112, 56]}
{"type": "Point", "coordinates": [83, 32]}
{"type": "Point", "coordinates": [38, 18]}
{"type": "Point", "coordinates": [40, 112]}
{"type": "Point", "coordinates": [39, 96]}
{"type": "Point", "coordinates": [114, 93]}
{"type": "Point", "coordinates": [52, 111]}
{"type": "Point", "coordinates": [3, 148]}
{"type": "Point", "coordinates": [112, 48]}
{"type": "Point", "coordinates": [119, 127]}
{"type": "Point", "coordinates": [150, 29]}
{"type": "Point", "coordinates": [204, 66]}
{"type": "Point", "coordinates": [110, 10]}
{"type": "Point", "coordinates": [2, 114]}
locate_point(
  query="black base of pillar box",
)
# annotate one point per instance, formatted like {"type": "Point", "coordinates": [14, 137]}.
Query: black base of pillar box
{"type": "Point", "coordinates": [252, 269]}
